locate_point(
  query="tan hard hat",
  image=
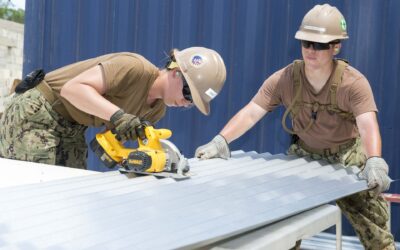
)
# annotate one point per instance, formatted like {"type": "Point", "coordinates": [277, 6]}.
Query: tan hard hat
{"type": "Point", "coordinates": [323, 24]}
{"type": "Point", "coordinates": [205, 73]}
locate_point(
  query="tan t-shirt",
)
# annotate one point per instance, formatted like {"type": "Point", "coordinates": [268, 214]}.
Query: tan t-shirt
{"type": "Point", "coordinates": [354, 95]}
{"type": "Point", "coordinates": [128, 78]}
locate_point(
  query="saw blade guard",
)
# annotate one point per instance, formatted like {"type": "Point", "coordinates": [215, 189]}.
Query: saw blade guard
{"type": "Point", "coordinates": [176, 162]}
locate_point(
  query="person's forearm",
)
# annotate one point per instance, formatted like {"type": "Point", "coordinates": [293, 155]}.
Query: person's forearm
{"type": "Point", "coordinates": [372, 144]}
{"type": "Point", "coordinates": [369, 132]}
{"type": "Point", "coordinates": [87, 99]}
{"type": "Point", "coordinates": [242, 122]}
{"type": "Point", "coordinates": [236, 127]}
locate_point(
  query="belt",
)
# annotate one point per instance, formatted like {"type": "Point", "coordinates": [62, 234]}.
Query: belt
{"type": "Point", "coordinates": [50, 97]}
{"type": "Point", "coordinates": [327, 151]}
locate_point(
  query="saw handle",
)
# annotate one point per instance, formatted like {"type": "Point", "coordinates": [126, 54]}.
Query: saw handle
{"type": "Point", "coordinates": [162, 133]}
{"type": "Point", "coordinates": [139, 130]}
{"type": "Point", "coordinates": [147, 131]}
{"type": "Point", "coordinates": [115, 134]}
{"type": "Point", "coordinates": [153, 137]}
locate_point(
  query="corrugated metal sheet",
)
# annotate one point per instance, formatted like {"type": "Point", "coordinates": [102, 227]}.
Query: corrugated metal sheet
{"type": "Point", "coordinates": [222, 199]}
{"type": "Point", "coordinates": [255, 38]}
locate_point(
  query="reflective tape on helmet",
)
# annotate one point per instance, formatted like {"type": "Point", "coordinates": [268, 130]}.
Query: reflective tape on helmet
{"type": "Point", "coordinates": [319, 29]}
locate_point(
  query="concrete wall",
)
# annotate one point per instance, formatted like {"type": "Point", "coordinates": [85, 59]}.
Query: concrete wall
{"type": "Point", "coordinates": [11, 54]}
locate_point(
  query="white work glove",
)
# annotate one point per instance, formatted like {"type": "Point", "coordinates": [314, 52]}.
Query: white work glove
{"type": "Point", "coordinates": [376, 173]}
{"type": "Point", "coordinates": [217, 148]}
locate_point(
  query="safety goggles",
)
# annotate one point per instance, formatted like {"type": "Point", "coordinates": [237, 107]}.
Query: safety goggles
{"type": "Point", "coordinates": [317, 46]}
{"type": "Point", "coordinates": [186, 90]}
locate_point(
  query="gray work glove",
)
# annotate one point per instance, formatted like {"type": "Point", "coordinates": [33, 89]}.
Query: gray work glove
{"type": "Point", "coordinates": [376, 173]}
{"type": "Point", "coordinates": [125, 125]}
{"type": "Point", "coordinates": [217, 148]}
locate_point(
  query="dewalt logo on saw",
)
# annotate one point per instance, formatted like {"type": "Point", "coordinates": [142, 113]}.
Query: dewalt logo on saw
{"type": "Point", "coordinates": [135, 162]}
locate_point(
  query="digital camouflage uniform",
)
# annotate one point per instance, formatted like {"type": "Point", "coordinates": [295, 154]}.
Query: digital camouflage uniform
{"type": "Point", "coordinates": [367, 215]}
{"type": "Point", "coordinates": [56, 141]}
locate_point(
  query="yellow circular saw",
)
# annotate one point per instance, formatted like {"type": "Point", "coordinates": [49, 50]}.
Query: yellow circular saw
{"type": "Point", "coordinates": [154, 156]}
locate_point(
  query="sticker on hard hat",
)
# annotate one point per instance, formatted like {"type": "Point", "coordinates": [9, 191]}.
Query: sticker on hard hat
{"type": "Point", "coordinates": [211, 93]}
{"type": "Point", "coordinates": [343, 24]}
{"type": "Point", "coordinates": [197, 61]}
{"type": "Point", "coordinates": [314, 28]}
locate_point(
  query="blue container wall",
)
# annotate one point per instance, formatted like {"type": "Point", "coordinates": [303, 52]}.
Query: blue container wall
{"type": "Point", "coordinates": [255, 38]}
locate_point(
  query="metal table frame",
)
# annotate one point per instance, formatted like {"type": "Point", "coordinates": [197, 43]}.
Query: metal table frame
{"type": "Point", "coordinates": [284, 234]}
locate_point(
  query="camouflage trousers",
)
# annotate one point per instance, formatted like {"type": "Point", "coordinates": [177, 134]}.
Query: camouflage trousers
{"type": "Point", "coordinates": [30, 130]}
{"type": "Point", "coordinates": [367, 215]}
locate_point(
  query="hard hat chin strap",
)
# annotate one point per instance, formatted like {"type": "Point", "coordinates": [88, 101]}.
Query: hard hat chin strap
{"type": "Point", "coordinates": [171, 65]}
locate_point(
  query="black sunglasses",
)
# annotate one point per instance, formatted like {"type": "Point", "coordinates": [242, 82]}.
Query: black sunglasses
{"type": "Point", "coordinates": [186, 90]}
{"type": "Point", "coordinates": [317, 46]}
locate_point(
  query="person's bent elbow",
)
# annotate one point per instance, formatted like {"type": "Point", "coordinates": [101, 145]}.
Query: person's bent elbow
{"type": "Point", "coordinates": [66, 90]}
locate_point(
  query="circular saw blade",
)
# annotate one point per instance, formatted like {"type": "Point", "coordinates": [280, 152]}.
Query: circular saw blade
{"type": "Point", "coordinates": [176, 161]}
